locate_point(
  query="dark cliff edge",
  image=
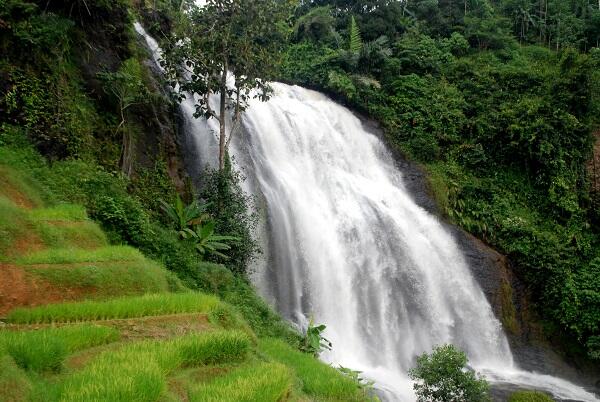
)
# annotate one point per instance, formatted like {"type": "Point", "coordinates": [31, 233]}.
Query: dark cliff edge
{"type": "Point", "coordinates": [508, 295]}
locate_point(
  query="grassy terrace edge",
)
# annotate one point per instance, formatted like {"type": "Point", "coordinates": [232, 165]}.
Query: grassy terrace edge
{"type": "Point", "coordinates": [122, 307]}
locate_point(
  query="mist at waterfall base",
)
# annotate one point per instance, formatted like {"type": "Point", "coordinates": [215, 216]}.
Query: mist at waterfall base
{"type": "Point", "coordinates": [345, 244]}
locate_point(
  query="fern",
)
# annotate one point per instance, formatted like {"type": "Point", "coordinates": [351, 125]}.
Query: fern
{"type": "Point", "coordinates": [355, 38]}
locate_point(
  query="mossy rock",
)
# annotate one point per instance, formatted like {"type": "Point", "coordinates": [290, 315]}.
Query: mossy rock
{"type": "Point", "coordinates": [530, 396]}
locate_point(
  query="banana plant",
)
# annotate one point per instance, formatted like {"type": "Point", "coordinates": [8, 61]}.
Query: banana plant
{"type": "Point", "coordinates": [314, 342]}
{"type": "Point", "coordinates": [185, 216]}
{"type": "Point", "coordinates": [207, 242]}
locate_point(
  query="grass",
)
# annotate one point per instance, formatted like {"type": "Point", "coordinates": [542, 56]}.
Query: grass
{"type": "Point", "coordinates": [263, 382]}
{"type": "Point", "coordinates": [74, 255]}
{"type": "Point", "coordinates": [134, 277]}
{"type": "Point", "coordinates": [318, 379]}
{"type": "Point", "coordinates": [124, 307]}
{"type": "Point", "coordinates": [14, 384]}
{"type": "Point", "coordinates": [139, 371]}
{"type": "Point", "coordinates": [83, 234]}
{"type": "Point", "coordinates": [60, 212]}
{"type": "Point", "coordinates": [46, 349]}
{"type": "Point", "coordinates": [13, 225]}
{"type": "Point", "coordinates": [13, 183]}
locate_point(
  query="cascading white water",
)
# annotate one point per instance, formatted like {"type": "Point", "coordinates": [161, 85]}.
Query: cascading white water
{"type": "Point", "coordinates": [346, 244]}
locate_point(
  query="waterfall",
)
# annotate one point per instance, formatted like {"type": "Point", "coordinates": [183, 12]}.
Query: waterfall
{"type": "Point", "coordinates": [346, 244]}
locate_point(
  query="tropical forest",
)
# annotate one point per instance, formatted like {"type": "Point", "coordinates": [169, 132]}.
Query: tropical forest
{"type": "Point", "coordinates": [299, 200]}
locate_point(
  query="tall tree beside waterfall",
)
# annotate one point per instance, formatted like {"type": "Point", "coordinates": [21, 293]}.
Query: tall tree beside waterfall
{"type": "Point", "coordinates": [227, 48]}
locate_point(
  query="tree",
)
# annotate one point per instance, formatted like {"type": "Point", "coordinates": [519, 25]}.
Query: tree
{"type": "Point", "coordinates": [127, 86]}
{"type": "Point", "coordinates": [443, 376]}
{"type": "Point", "coordinates": [227, 48]}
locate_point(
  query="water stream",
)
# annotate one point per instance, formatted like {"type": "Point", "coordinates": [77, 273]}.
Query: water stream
{"type": "Point", "coordinates": [346, 244]}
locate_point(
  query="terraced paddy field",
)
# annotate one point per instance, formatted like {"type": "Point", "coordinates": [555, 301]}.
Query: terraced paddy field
{"type": "Point", "coordinates": [83, 320]}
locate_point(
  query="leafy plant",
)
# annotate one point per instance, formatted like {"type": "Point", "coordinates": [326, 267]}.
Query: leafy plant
{"type": "Point", "coordinates": [354, 375]}
{"type": "Point", "coordinates": [355, 41]}
{"type": "Point", "coordinates": [443, 376]}
{"type": "Point", "coordinates": [207, 242]}
{"type": "Point", "coordinates": [185, 216]}
{"type": "Point", "coordinates": [313, 341]}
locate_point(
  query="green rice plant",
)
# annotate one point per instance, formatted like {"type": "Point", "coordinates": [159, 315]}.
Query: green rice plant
{"type": "Point", "coordinates": [117, 378]}
{"type": "Point", "coordinates": [214, 348]}
{"type": "Point", "coordinates": [60, 212]}
{"type": "Point", "coordinates": [134, 277]}
{"type": "Point", "coordinates": [74, 255]}
{"type": "Point", "coordinates": [14, 384]}
{"type": "Point", "coordinates": [318, 379]}
{"type": "Point", "coordinates": [263, 382]}
{"type": "Point", "coordinates": [138, 372]}
{"type": "Point", "coordinates": [124, 307]}
{"type": "Point", "coordinates": [45, 349]}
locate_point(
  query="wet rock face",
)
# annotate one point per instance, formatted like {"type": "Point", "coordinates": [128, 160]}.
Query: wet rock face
{"type": "Point", "coordinates": [507, 295]}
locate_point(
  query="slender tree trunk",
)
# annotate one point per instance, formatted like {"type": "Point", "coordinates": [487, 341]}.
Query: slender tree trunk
{"type": "Point", "coordinates": [223, 119]}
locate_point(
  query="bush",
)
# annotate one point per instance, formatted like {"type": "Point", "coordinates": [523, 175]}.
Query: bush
{"type": "Point", "coordinates": [443, 376]}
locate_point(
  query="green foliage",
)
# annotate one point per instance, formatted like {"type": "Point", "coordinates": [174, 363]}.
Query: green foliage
{"type": "Point", "coordinates": [504, 129]}
{"type": "Point", "coordinates": [207, 242]}
{"type": "Point", "coordinates": [313, 341]}
{"type": "Point", "coordinates": [232, 210]}
{"type": "Point", "coordinates": [14, 384]}
{"type": "Point", "coordinates": [239, 38]}
{"type": "Point", "coordinates": [443, 376]}
{"type": "Point", "coordinates": [355, 41]}
{"type": "Point", "coordinates": [318, 379]}
{"type": "Point", "coordinates": [46, 349]}
{"type": "Point", "coordinates": [184, 216]}
{"type": "Point", "coordinates": [529, 396]}
{"type": "Point", "coordinates": [125, 307]}
{"type": "Point", "coordinates": [139, 371]}
{"type": "Point", "coordinates": [256, 383]}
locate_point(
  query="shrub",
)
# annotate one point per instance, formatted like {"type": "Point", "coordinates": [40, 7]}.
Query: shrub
{"type": "Point", "coordinates": [443, 376]}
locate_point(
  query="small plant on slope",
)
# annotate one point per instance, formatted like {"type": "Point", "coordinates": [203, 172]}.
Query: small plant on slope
{"type": "Point", "coordinates": [209, 242]}
{"type": "Point", "coordinates": [185, 216]}
{"type": "Point", "coordinates": [443, 376]}
{"type": "Point", "coordinates": [314, 342]}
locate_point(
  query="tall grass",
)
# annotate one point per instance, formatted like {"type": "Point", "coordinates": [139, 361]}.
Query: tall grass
{"type": "Point", "coordinates": [318, 379]}
{"type": "Point", "coordinates": [124, 307]}
{"type": "Point", "coordinates": [263, 382]}
{"type": "Point", "coordinates": [74, 255]}
{"type": "Point", "coordinates": [139, 372]}
{"type": "Point", "coordinates": [107, 279]}
{"type": "Point", "coordinates": [45, 349]}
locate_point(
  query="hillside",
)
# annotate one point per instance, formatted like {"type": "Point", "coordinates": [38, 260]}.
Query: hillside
{"type": "Point", "coordinates": [111, 324]}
